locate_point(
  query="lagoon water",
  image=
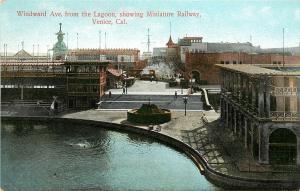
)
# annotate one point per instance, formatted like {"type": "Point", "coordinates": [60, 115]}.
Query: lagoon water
{"type": "Point", "coordinates": [72, 157]}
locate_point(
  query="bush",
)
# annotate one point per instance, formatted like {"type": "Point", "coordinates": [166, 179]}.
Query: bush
{"type": "Point", "coordinates": [149, 114]}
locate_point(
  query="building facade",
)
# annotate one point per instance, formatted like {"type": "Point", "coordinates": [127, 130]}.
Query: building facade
{"type": "Point", "coordinates": [201, 66]}
{"type": "Point", "coordinates": [32, 81]}
{"type": "Point", "coordinates": [121, 59]}
{"type": "Point", "coordinates": [76, 85]}
{"type": "Point", "coordinates": [115, 55]}
{"type": "Point", "coordinates": [86, 83]}
{"type": "Point", "coordinates": [262, 107]}
{"type": "Point", "coordinates": [190, 44]}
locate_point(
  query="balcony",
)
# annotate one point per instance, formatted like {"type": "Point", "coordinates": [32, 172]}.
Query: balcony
{"type": "Point", "coordinates": [285, 116]}
{"type": "Point", "coordinates": [284, 91]}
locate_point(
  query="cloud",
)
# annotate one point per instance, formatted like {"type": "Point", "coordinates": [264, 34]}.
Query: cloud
{"type": "Point", "coordinates": [252, 12]}
{"type": "Point", "coordinates": [297, 14]}
{"type": "Point", "coordinates": [265, 10]}
{"type": "Point", "coordinates": [248, 11]}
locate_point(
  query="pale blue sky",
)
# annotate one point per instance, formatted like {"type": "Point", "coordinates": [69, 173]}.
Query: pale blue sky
{"type": "Point", "coordinates": [226, 20]}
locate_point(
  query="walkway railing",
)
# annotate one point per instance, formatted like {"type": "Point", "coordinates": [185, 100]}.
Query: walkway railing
{"type": "Point", "coordinates": [285, 116]}
{"type": "Point", "coordinates": [285, 91]}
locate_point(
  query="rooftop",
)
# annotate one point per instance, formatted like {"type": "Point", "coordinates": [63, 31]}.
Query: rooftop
{"type": "Point", "coordinates": [257, 70]}
{"type": "Point", "coordinates": [193, 38]}
{"type": "Point", "coordinates": [30, 63]}
{"type": "Point", "coordinates": [84, 62]}
{"type": "Point", "coordinates": [107, 49]}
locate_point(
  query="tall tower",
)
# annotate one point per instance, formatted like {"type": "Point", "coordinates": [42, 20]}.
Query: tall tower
{"type": "Point", "coordinates": [60, 48]}
{"type": "Point", "coordinates": [147, 55]}
{"type": "Point", "coordinates": [148, 41]}
{"type": "Point", "coordinates": [170, 42]}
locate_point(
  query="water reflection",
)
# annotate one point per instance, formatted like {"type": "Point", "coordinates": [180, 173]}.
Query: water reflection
{"type": "Point", "coordinates": [65, 157]}
{"type": "Point", "coordinates": [135, 138]}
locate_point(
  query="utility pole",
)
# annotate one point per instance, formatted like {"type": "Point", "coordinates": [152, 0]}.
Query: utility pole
{"type": "Point", "coordinates": [148, 42]}
{"type": "Point", "coordinates": [5, 51]}
{"type": "Point", "coordinates": [283, 47]}
{"type": "Point", "coordinates": [105, 39]}
{"type": "Point", "coordinates": [67, 40]}
{"type": "Point", "coordinates": [38, 52]}
{"type": "Point", "coordinates": [99, 39]}
{"type": "Point", "coordinates": [99, 45]}
{"type": "Point", "coordinates": [77, 40]}
{"type": "Point", "coordinates": [251, 47]}
{"type": "Point", "coordinates": [170, 28]}
{"type": "Point", "coordinates": [100, 85]}
{"type": "Point", "coordinates": [48, 56]}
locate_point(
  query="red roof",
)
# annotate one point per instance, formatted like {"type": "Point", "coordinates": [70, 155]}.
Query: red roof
{"type": "Point", "coordinates": [170, 42]}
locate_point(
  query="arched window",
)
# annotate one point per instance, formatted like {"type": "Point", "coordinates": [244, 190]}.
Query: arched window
{"type": "Point", "coordinates": [282, 147]}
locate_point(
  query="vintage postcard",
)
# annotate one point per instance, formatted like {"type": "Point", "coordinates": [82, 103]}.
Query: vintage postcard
{"type": "Point", "coordinates": [150, 95]}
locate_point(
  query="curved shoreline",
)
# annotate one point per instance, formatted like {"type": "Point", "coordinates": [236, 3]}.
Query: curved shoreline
{"type": "Point", "coordinates": [220, 179]}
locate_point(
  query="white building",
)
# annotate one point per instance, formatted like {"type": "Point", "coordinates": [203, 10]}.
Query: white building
{"type": "Point", "coordinates": [191, 44]}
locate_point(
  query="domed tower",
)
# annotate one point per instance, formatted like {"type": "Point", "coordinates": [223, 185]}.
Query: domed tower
{"type": "Point", "coordinates": [60, 48]}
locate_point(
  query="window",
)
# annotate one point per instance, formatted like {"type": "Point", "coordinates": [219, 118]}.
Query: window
{"type": "Point", "coordinates": [227, 62]}
{"type": "Point", "coordinates": [241, 62]}
{"type": "Point", "coordinates": [222, 62]}
{"type": "Point", "coordinates": [9, 86]}
{"type": "Point", "coordinates": [274, 62]}
{"type": "Point", "coordinates": [234, 62]}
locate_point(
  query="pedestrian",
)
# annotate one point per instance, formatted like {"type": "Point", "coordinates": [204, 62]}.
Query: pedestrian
{"type": "Point", "coordinates": [109, 94]}
{"type": "Point", "coordinates": [123, 90]}
{"type": "Point", "coordinates": [175, 94]}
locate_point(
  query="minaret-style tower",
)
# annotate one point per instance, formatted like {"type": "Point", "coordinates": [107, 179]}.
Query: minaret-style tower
{"type": "Point", "coordinates": [170, 43]}
{"type": "Point", "coordinates": [60, 48]}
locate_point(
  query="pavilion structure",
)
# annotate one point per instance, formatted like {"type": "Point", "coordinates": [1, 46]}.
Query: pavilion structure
{"type": "Point", "coordinates": [261, 105]}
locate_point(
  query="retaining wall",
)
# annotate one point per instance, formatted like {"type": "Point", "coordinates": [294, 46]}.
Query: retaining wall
{"type": "Point", "coordinates": [224, 180]}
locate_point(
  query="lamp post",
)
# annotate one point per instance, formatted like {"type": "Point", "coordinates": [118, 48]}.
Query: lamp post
{"type": "Point", "coordinates": [125, 80]}
{"type": "Point", "coordinates": [185, 99]}
{"type": "Point", "coordinates": [126, 85]}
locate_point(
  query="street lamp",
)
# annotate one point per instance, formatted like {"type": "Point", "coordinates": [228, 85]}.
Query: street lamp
{"type": "Point", "coordinates": [185, 99]}
{"type": "Point", "coordinates": [125, 80]}
{"type": "Point", "coordinates": [126, 85]}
